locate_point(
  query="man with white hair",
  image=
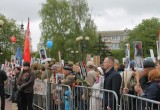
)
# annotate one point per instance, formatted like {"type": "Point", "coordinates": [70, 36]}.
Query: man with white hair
{"type": "Point", "coordinates": [69, 78]}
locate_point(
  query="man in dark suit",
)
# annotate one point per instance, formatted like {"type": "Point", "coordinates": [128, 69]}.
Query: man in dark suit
{"type": "Point", "coordinates": [3, 77]}
{"type": "Point", "coordinates": [112, 81]}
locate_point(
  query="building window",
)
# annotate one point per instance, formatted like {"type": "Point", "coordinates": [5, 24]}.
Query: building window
{"type": "Point", "coordinates": [115, 46]}
{"type": "Point", "coordinates": [115, 37]}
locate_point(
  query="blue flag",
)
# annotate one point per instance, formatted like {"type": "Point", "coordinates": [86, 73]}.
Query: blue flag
{"type": "Point", "coordinates": [19, 55]}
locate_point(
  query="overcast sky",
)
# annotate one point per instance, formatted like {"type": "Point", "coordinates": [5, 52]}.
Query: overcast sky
{"type": "Point", "coordinates": [107, 14]}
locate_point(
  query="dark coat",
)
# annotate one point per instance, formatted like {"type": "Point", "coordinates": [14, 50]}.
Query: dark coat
{"type": "Point", "coordinates": [26, 81]}
{"type": "Point", "coordinates": [144, 83]}
{"type": "Point", "coordinates": [3, 77]}
{"type": "Point", "coordinates": [152, 93]}
{"type": "Point", "coordinates": [112, 81]}
{"type": "Point", "coordinates": [15, 81]}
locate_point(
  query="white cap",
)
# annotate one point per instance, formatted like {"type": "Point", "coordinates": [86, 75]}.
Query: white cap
{"type": "Point", "coordinates": [90, 63]}
{"type": "Point", "coordinates": [100, 70]}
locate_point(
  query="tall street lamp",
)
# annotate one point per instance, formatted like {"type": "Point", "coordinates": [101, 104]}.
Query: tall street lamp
{"type": "Point", "coordinates": [1, 52]}
{"type": "Point", "coordinates": [83, 42]}
{"type": "Point", "coordinates": [74, 54]}
{"type": "Point", "coordinates": [1, 23]}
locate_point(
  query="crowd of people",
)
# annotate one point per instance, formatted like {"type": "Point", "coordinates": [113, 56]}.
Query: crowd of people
{"type": "Point", "coordinates": [110, 75]}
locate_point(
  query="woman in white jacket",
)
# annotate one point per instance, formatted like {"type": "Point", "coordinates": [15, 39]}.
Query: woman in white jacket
{"type": "Point", "coordinates": [95, 98]}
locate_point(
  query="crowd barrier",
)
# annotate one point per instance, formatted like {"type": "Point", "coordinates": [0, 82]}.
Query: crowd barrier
{"type": "Point", "coordinates": [50, 96]}
{"type": "Point", "coordinates": [40, 95]}
{"type": "Point", "coordinates": [60, 97]}
{"type": "Point", "coordinates": [8, 87]}
{"type": "Point", "coordinates": [87, 98]}
{"type": "Point", "coordinates": [132, 102]}
{"type": "Point", "coordinates": [63, 97]}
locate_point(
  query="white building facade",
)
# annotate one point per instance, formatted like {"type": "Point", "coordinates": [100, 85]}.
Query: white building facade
{"type": "Point", "coordinates": [113, 38]}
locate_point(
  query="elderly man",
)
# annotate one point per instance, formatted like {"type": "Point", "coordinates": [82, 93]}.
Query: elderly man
{"type": "Point", "coordinates": [53, 75]}
{"type": "Point", "coordinates": [148, 65]}
{"type": "Point", "coordinates": [112, 81]}
{"type": "Point", "coordinates": [144, 85]}
{"type": "Point", "coordinates": [69, 78]}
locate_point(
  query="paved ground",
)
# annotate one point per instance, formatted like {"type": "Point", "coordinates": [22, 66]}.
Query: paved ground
{"type": "Point", "coordinates": [14, 106]}
{"type": "Point", "coordinates": [10, 106]}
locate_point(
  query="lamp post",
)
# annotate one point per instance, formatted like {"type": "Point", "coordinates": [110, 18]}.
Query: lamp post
{"type": "Point", "coordinates": [74, 53]}
{"type": "Point", "coordinates": [1, 52]}
{"type": "Point", "coordinates": [1, 23]}
{"type": "Point", "coordinates": [83, 42]}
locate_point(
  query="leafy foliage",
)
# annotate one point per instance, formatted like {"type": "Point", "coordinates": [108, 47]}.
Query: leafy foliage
{"type": "Point", "coordinates": [147, 32]}
{"type": "Point", "coordinates": [118, 54]}
{"type": "Point", "coordinates": [62, 22]}
{"type": "Point", "coordinates": [81, 82]}
{"type": "Point", "coordinates": [9, 29]}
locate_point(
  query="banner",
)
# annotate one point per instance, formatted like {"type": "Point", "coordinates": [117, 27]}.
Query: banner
{"type": "Point", "coordinates": [43, 54]}
{"type": "Point", "coordinates": [26, 55]}
{"type": "Point", "coordinates": [33, 60]}
{"type": "Point", "coordinates": [82, 69]}
{"type": "Point", "coordinates": [19, 56]}
{"type": "Point", "coordinates": [96, 60]}
{"type": "Point", "coordinates": [59, 57]}
{"type": "Point", "coordinates": [127, 57]}
{"type": "Point", "coordinates": [158, 50]}
{"type": "Point", "coordinates": [88, 57]}
{"type": "Point", "coordinates": [40, 87]}
{"type": "Point", "coordinates": [13, 58]}
{"type": "Point", "coordinates": [138, 54]}
{"type": "Point", "coordinates": [152, 55]}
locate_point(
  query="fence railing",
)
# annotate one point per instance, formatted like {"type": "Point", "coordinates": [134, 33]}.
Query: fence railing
{"type": "Point", "coordinates": [87, 98]}
{"type": "Point", "coordinates": [60, 97]}
{"type": "Point", "coordinates": [40, 95]}
{"type": "Point", "coordinates": [132, 102]}
{"type": "Point", "coordinates": [8, 87]}
{"type": "Point", "coordinates": [51, 96]}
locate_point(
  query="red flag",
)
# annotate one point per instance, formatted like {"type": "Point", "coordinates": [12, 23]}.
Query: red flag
{"type": "Point", "coordinates": [26, 55]}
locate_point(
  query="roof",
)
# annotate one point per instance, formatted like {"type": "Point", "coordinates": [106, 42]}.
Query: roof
{"type": "Point", "coordinates": [122, 32]}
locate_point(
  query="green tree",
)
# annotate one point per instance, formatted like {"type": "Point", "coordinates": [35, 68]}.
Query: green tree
{"type": "Point", "coordinates": [9, 29]}
{"type": "Point", "coordinates": [147, 32]}
{"type": "Point", "coordinates": [101, 48]}
{"type": "Point", "coordinates": [62, 22]}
